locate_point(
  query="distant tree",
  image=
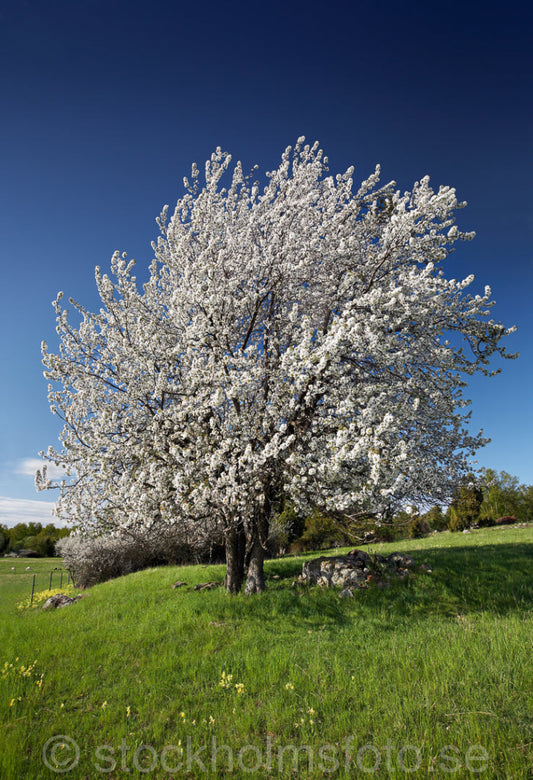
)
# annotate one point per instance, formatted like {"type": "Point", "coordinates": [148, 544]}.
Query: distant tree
{"type": "Point", "coordinates": [285, 527]}
{"type": "Point", "coordinates": [296, 340]}
{"type": "Point", "coordinates": [31, 536]}
{"type": "Point", "coordinates": [321, 532]}
{"type": "Point", "coordinates": [4, 539]}
{"type": "Point", "coordinates": [18, 531]}
{"type": "Point", "coordinates": [465, 507]}
{"type": "Point", "coordinates": [436, 519]}
{"type": "Point", "coordinates": [42, 543]}
{"type": "Point", "coordinates": [17, 534]}
{"type": "Point", "coordinates": [418, 527]}
{"type": "Point", "coordinates": [528, 503]}
{"type": "Point", "coordinates": [34, 528]}
{"type": "Point", "coordinates": [504, 495]}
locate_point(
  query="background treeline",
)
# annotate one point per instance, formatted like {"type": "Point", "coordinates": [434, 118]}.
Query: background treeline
{"type": "Point", "coordinates": [31, 536]}
{"type": "Point", "coordinates": [490, 498]}
{"type": "Point", "coordinates": [487, 499]}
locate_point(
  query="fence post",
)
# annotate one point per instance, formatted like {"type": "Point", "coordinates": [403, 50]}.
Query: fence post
{"type": "Point", "coordinates": [61, 580]}
{"type": "Point", "coordinates": [50, 583]}
{"type": "Point", "coordinates": [32, 590]}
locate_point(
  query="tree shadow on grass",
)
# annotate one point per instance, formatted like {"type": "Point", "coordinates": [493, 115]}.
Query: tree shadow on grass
{"type": "Point", "coordinates": [487, 578]}
{"type": "Point", "coordinates": [496, 579]}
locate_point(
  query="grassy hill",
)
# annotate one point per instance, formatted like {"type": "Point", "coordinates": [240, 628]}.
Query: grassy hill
{"type": "Point", "coordinates": [430, 677]}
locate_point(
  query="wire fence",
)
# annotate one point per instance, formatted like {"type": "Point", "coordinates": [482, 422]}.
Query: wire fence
{"type": "Point", "coordinates": [55, 577]}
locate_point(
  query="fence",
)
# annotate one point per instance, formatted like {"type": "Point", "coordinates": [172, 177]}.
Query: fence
{"type": "Point", "coordinates": [60, 572]}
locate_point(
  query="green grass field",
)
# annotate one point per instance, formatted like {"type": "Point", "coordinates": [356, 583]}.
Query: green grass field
{"type": "Point", "coordinates": [429, 678]}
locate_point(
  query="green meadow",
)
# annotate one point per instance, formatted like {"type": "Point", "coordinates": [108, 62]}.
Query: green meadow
{"type": "Point", "coordinates": [431, 677]}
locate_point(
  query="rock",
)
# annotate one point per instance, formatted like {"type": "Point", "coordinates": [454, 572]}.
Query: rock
{"type": "Point", "coordinates": [346, 593]}
{"type": "Point", "coordinates": [426, 567]}
{"type": "Point", "coordinates": [402, 560]}
{"type": "Point", "coordinates": [347, 576]}
{"type": "Point", "coordinates": [359, 557]}
{"type": "Point", "coordinates": [179, 584]}
{"type": "Point", "coordinates": [311, 569]}
{"type": "Point", "coordinates": [59, 600]}
{"type": "Point", "coordinates": [357, 569]}
{"type": "Point", "coordinates": [207, 585]}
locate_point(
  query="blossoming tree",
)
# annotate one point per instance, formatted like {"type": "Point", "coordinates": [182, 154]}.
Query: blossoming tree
{"type": "Point", "coordinates": [297, 340]}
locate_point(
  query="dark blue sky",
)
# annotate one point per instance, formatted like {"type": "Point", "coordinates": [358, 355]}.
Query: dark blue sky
{"type": "Point", "coordinates": [105, 105]}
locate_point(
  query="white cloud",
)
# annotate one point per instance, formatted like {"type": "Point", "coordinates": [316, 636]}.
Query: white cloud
{"type": "Point", "coordinates": [20, 510]}
{"type": "Point", "coordinates": [29, 466]}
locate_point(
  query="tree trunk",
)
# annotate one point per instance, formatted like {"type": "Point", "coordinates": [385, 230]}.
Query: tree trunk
{"type": "Point", "coordinates": [235, 544]}
{"type": "Point", "coordinates": [255, 577]}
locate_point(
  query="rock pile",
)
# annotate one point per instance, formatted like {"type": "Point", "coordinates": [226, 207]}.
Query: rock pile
{"type": "Point", "coordinates": [357, 569]}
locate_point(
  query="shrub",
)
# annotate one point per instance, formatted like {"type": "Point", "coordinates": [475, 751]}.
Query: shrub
{"type": "Point", "coordinates": [506, 520]}
{"type": "Point", "coordinates": [393, 529]}
{"type": "Point", "coordinates": [99, 558]}
{"type": "Point", "coordinates": [436, 519]}
{"type": "Point", "coordinates": [458, 521]}
{"type": "Point", "coordinates": [418, 528]}
{"type": "Point", "coordinates": [320, 533]}
{"type": "Point", "coordinates": [485, 521]}
{"type": "Point", "coordinates": [391, 532]}
{"type": "Point", "coordinates": [465, 507]}
{"type": "Point", "coordinates": [287, 526]}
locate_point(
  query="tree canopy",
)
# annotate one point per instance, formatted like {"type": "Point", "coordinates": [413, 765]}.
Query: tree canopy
{"type": "Point", "coordinates": [298, 340]}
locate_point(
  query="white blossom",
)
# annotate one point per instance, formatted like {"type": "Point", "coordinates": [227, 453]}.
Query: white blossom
{"type": "Point", "coordinates": [298, 339]}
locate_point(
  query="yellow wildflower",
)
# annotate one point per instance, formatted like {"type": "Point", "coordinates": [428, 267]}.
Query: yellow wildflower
{"type": "Point", "coordinates": [226, 679]}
